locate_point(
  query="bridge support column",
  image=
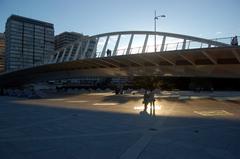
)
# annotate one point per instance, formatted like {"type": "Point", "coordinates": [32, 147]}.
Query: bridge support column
{"type": "Point", "coordinates": [77, 51]}
{"type": "Point", "coordinates": [70, 53]}
{"type": "Point", "coordinates": [93, 54]}
{"type": "Point", "coordinates": [56, 58]}
{"type": "Point", "coordinates": [163, 43]}
{"type": "Point", "coordinates": [105, 47]}
{"type": "Point", "coordinates": [129, 44]}
{"type": "Point", "coordinates": [184, 44]}
{"type": "Point", "coordinates": [116, 45]}
{"type": "Point", "coordinates": [85, 50]}
{"type": "Point", "coordinates": [145, 44]}
{"type": "Point", "coordinates": [63, 55]}
{"type": "Point", "coordinates": [51, 60]}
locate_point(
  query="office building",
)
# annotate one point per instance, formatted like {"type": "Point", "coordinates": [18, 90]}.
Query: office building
{"type": "Point", "coordinates": [29, 42]}
{"type": "Point", "coordinates": [66, 38]}
{"type": "Point", "coordinates": [2, 52]}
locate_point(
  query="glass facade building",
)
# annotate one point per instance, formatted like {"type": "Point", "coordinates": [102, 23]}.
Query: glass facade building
{"type": "Point", "coordinates": [2, 52]}
{"type": "Point", "coordinates": [28, 42]}
{"type": "Point", "coordinates": [66, 38]}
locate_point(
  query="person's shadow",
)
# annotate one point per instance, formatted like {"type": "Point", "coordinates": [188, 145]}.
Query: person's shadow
{"type": "Point", "coordinates": [151, 113]}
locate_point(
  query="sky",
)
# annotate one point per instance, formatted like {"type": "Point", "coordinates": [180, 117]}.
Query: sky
{"type": "Point", "coordinates": [201, 18]}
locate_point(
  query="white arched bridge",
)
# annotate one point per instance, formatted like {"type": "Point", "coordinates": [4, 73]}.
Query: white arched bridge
{"type": "Point", "coordinates": [132, 53]}
{"type": "Point", "coordinates": [96, 46]}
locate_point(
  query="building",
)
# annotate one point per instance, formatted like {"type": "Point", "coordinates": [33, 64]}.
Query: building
{"type": "Point", "coordinates": [28, 42]}
{"type": "Point", "coordinates": [67, 48]}
{"type": "Point", "coordinates": [66, 38]}
{"type": "Point", "coordinates": [2, 52]}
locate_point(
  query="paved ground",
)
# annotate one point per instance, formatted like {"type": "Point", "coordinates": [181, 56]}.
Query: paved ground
{"type": "Point", "coordinates": [103, 125]}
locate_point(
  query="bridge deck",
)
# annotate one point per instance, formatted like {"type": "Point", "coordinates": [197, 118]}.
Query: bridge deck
{"type": "Point", "coordinates": [209, 62]}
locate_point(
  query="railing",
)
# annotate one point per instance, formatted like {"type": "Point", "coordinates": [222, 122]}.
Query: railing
{"type": "Point", "coordinates": [226, 40]}
{"type": "Point", "coordinates": [170, 47]}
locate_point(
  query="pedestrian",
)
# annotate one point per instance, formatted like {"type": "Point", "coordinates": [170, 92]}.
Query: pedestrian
{"type": "Point", "coordinates": [109, 52]}
{"type": "Point", "coordinates": [234, 41]}
{"type": "Point", "coordinates": [152, 99]}
{"type": "Point", "coordinates": [145, 100]}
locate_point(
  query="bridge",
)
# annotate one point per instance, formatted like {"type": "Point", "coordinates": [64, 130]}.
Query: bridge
{"type": "Point", "coordinates": [103, 56]}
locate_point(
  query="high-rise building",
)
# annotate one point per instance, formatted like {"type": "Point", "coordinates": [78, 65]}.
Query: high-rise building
{"type": "Point", "coordinates": [66, 38]}
{"type": "Point", "coordinates": [2, 52]}
{"type": "Point", "coordinates": [28, 42]}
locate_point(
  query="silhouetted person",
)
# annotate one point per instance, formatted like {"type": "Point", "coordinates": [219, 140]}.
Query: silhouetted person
{"type": "Point", "coordinates": [152, 99]}
{"type": "Point", "coordinates": [109, 52]}
{"type": "Point", "coordinates": [234, 41]}
{"type": "Point", "coordinates": [145, 100]}
{"type": "Point", "coordinates": [152, 103]}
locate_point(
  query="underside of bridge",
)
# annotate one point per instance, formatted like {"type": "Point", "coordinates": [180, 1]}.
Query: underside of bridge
{"type": "Point", "coordinates": [215, 63]}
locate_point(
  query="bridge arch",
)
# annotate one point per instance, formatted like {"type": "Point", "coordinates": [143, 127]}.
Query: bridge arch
{"type": "Point", "coordinates": [88, 48]}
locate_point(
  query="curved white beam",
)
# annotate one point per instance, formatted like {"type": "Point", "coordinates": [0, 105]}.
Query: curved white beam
{"type": "Point", "coordinates": [174, 35]}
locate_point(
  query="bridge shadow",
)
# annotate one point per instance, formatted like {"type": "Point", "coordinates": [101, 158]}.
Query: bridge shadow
{"type": "Point", "coordinates": [100, 131]}
{"type": "Point", "coordinates": [96, 133]}
{"type": "Point", "coordinates": [121, 99]}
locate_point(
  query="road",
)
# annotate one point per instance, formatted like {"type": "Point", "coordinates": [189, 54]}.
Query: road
{"type": "Point", "coordinates": [104, 125]}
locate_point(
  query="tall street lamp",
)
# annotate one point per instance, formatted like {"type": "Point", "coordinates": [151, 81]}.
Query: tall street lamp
{"type": "Point", "coordinates": [155, 19]}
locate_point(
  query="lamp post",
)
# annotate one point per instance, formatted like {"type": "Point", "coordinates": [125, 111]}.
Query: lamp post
{"type": "Point", "coordinates": [155, 32]}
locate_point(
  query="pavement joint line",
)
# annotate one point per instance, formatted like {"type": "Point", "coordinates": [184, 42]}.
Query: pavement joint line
{"type": "Point", "coordinates": [76, 101]}
{"type": "Point", "coordinates": [56, 99]}
{"type": "Point", "coordinates": [210, 113]}
{"type": "Point", "coordinates": [105, 103]}
{"type": "Point", "coordinates": [134, 151]}
{"type": "Point", "coordinates": [72, 136]}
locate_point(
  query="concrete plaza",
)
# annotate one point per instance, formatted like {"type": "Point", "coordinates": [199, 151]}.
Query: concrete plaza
{"type": "Point", "coordinates": [104, 125]}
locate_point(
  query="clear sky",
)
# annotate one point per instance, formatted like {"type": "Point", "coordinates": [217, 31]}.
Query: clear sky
{"type": "Point", "coordinates": [202, 18]}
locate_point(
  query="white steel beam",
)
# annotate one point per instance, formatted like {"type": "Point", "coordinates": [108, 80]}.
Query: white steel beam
{"type": "Point", "coordinates": [209, 57]}
{"type": "Point", "coordinates": [145, 43]}
{"type": "Point", "coordinates": [50, 59]}
{"type": "Point", "coordinates": [169, 61]}
{"type": "Point", "coordinates": [134, 61]}
{"type": "Point", "coordinates": [129, 44]}
{"type": "Point", "coordinates": [105, 47]}
{"type": "Point", "coordinates": [187, 59]}
{"type": "Point", "coordinates": [85, 50]}
{"type": "Point", "coordinates": [148, 60]}
{"type": "Point", "coordinates": [56, 58]}
{"type": "Point", "coordinates": [98, 63]}
{"type": "Point", "coordinates": [163, 44]}
{"type": "Point", "coordinates": [70, 53]}
{"type": "Point", "coordinates": [236, 54]}
{"type": "Point", "coordinates": [94, 49]}
{"type": "Point", "coordinates": [108, 62]}
{"type": "Point", "coordinates": [63, 55]}
{"type": "Point", "coordinates": [184, 44]}
{"type": "Point", "coordinates": [77, 51]}
{"type": "Point", "coordinates": [116, 45]}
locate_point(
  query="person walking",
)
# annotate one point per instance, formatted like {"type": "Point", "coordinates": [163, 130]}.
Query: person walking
{"type": "Point", "coordinates": [145, 100]}
{"type": "Point", "coordinates": [234, 41]}
{"type": "Point", "coordinates": [152, 99]}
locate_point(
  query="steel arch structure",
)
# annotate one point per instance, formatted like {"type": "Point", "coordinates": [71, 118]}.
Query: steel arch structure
{"type": "Point", "coordinates": [210, 59]}
{"type": "Point", "coordinates": [88, 48]}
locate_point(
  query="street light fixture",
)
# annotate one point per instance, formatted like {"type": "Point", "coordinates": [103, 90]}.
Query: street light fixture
{"type": "Point", "coordinates": [155, 19]}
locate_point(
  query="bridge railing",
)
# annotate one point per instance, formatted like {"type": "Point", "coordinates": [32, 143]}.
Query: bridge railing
{"type": "Point", "coordinates": [226, 40]}
{"type": "Point", "coordinates": [166, 47]}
